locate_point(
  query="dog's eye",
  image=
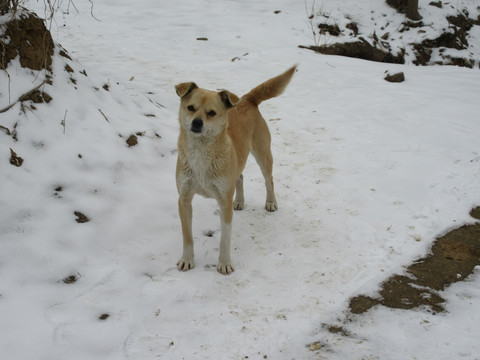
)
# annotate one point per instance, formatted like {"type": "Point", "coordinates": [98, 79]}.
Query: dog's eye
{"type": "Point", "coordinates": [191, 108]}
{"type": "Point", "coordinates": [211, 113]}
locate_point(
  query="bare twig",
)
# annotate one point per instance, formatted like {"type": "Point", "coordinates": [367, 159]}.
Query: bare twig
{"type": "Point", "coordinates": [310, 17]}
{"type": "Point", "coordinates": [7, 130]}
{"type": "Point", "coordinates": [91, 10]}
{"type": "Point", "coordinates": [157, 104]}
{"type": "Point", "coordinates": [64, 122]}
{"type": "Point", "coordinates": [105, 116]}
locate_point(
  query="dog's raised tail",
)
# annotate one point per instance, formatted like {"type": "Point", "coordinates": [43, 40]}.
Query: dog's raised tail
{"type": "Point", "coordinates": [270, 88]}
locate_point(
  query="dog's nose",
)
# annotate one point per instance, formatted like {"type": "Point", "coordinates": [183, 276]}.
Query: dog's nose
{"type": "Point", "coordinates": [197, 125]}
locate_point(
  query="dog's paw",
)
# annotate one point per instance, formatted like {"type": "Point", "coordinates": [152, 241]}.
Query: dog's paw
{"type": "Point", "coordinates": [225, 269]}
{"type": "Point", "coordinates": [271, 206]}
{"type": "Point", "coordinates": [185, 265]}
{"type": "Point", "coordinates": [238, 205]}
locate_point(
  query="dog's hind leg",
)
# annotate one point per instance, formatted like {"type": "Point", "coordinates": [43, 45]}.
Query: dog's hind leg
{"type": "Point", "coordinates": [266, 163]}
{"type": "Point", "coordinates": [263, 155]}
{"type": "Point", "coordinates": [239, 198]}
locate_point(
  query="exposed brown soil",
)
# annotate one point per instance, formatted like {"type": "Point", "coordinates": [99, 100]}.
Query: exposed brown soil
{"type": "Point", "coordinates": [453, 257]}
{"type": "Point", "coordinates": [36, 96]}
{"type": "Point", "coordinates": [377, 49]}
{"type": "Point", "coordinates": [333, 30]}
{"type": "Point", "coordinates": [358, 49]}
{"type": "Point", "coordinates": [29, 39]}
{"type": "Point", "coordinates": [457, 39]}
{"type": "Point", "coordinates": [403, 6]}
{"type": "Point", "coordinates": [70, 279]}
{"type": "Point", "coordinates": [399, 5]}
{"type": "Point", "coordinates": [81, 217]}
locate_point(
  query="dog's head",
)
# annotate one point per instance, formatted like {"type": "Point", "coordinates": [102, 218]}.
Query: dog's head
{"type": "Point", "coordinates": [204, 112]}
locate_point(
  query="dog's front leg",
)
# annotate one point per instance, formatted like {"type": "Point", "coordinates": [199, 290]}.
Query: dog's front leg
{"type": "Point", "coordinates": [226, 215]}
{"type": "Point", "coordinates": [185, 211]}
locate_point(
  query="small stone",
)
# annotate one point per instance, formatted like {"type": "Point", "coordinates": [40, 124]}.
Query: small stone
{"type": "Point", "coordinates": [398, 77]}
{"type": "Point", "coordinates": [132, 140]}
{"type": "Point", "coordinates": [104, 317]}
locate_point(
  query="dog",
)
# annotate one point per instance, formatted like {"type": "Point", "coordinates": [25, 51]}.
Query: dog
{"type": "Point", "coordinates": [217, 132]}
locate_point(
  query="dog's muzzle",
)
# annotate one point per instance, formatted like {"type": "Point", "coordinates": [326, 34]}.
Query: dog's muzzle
{"type": "Point", "coordinates": [197, 125]}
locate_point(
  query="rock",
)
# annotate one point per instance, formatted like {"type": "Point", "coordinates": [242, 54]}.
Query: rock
{"type": "Point", "coordinates": [132, 141]}
{"type": "Point", "coordinates": [398, 77]}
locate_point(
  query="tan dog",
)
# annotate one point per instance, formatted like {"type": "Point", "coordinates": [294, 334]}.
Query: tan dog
{"type": "Point", "coordinates": [217, 132]}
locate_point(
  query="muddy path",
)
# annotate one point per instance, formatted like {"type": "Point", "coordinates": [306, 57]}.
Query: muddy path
{"type": "Point", "coordinates": [453, 257]}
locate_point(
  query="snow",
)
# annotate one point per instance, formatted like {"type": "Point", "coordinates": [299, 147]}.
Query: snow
{"type": "Point", "coordinates": [368, 174]}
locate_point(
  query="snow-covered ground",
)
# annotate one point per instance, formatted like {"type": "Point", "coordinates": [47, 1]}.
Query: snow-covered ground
{"type": "Point", "coordinates": [368, 174]}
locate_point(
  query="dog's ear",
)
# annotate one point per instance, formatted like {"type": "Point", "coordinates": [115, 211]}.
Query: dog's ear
{"type": "Point", "coordinates": [228, 99]}
{"type": "Point", "coordinates": [184, 89]}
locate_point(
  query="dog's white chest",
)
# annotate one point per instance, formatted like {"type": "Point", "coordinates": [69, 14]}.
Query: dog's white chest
{"type": "Point", "coordinates": [203, 177]}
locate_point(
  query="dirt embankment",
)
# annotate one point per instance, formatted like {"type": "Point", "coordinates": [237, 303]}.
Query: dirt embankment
{"type": "Point", "coordinates": [28, 38]}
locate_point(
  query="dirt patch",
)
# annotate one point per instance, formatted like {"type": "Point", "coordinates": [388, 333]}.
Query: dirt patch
{"type": "Point", "coordinates": [453, 257]}
{"type": "Point", "coordinates": [399, 5]}
{"type": "Point", "coordinates": [460, 25]}
{"type": "Point", "coordinates": [383, 46]}
{"type": "Point", "coordinates": [354, 27]}
{"type": "Point", "coordinates": [333, 30]}
{"type": "Point", "coordinates": [36, 96]}
{"type": "Point", "coordinates": [358, 49]}
{"type": "Point", "coordinates": [28, 38]}
{"type": "Point", "coordinates": [407, 7]}
{"type": "Point", "coordinates": [71, 279]}
{"type": "Point", "coordinates": [81, 217]}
